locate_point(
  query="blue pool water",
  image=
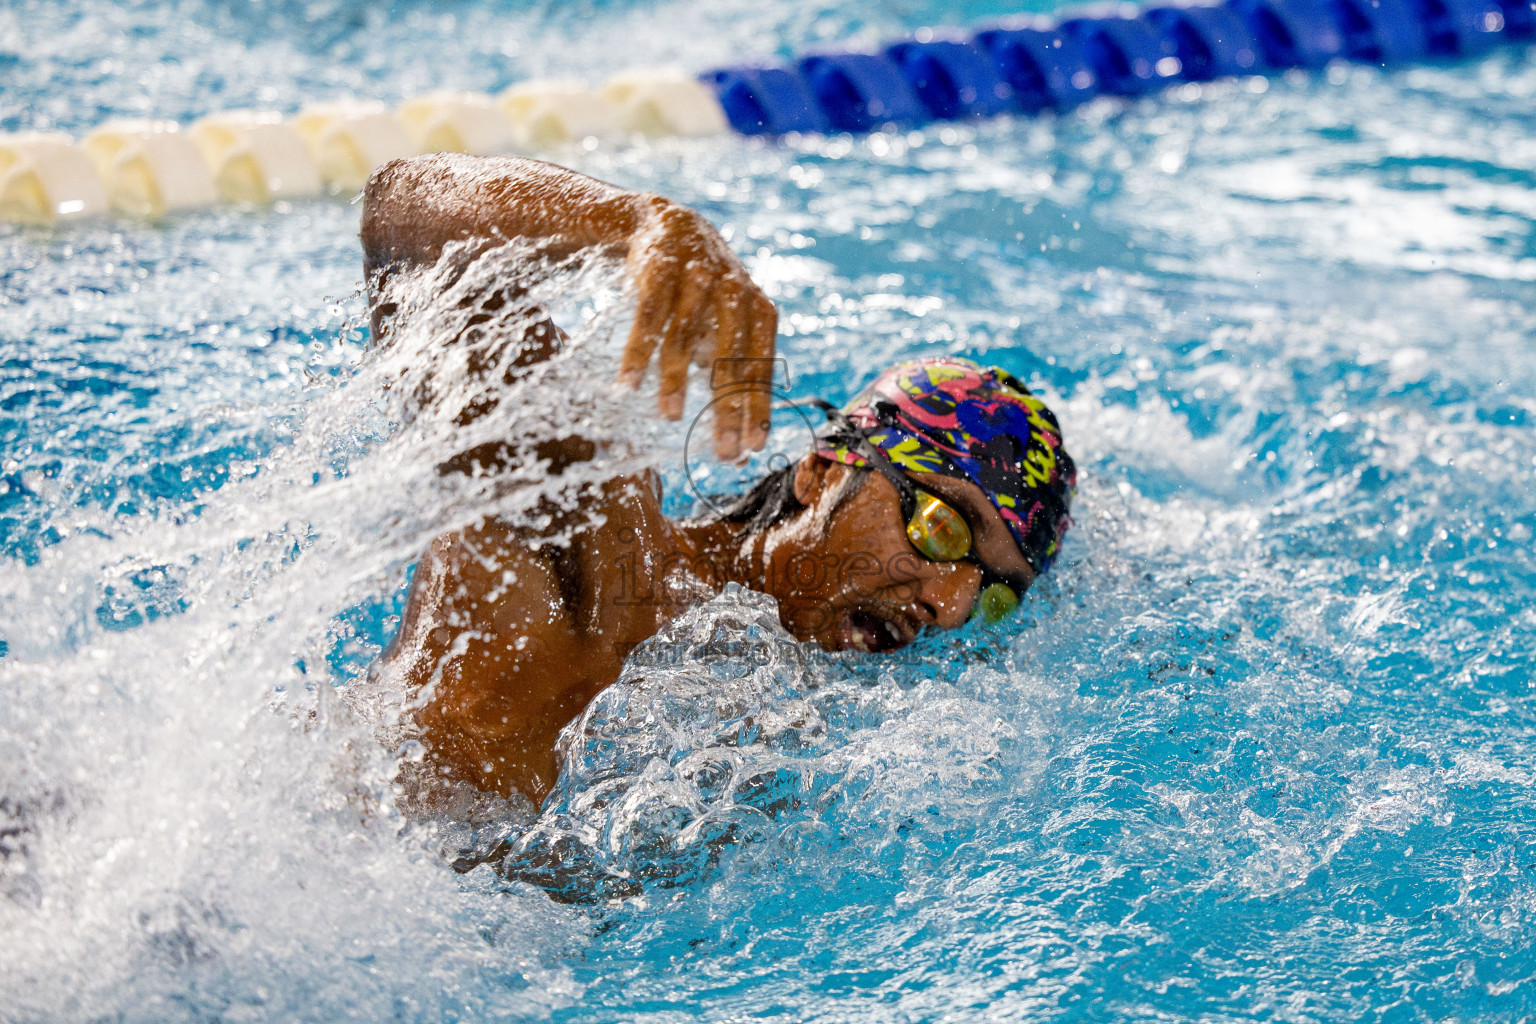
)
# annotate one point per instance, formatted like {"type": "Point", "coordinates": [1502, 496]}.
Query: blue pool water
{"type": "Point", "coordinates": [1260, 748]}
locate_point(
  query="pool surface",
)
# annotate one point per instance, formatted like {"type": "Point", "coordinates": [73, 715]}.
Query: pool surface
{"type": "Point", "coordinates": [1261, 747]}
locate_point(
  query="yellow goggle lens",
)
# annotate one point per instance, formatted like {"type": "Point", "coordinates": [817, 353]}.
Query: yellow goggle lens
{"type": "Point", "coordinates": [938, 531]}
{"type": "Point", "coordinates": [995, 602]}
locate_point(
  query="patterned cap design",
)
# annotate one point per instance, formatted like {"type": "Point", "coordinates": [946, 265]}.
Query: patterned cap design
{"type": "Point", "coordinates": [954, 417]}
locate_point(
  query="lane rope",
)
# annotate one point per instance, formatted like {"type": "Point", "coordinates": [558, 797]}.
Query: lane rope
{"type": "Point", "coordinates": [151, 169]}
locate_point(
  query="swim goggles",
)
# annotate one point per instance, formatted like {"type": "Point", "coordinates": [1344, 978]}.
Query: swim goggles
{"type": "Point", "coordinates": [938, 531]}
{"type": "Point", "coordinates": [941, 534]}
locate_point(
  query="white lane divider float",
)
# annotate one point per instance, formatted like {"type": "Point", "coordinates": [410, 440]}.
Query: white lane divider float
{"type": "Point", "coordinates": [457, 122]}
{"type": "Point", "coordinates": [256, 157]}
{"type": "Point", "coordinates": [665, 101]}
{"type": "Point", "coordinates": [548, 113]}
{"type": "Point", "coordinates": [46, 178]}
{"type": "Point", "coordinates": [348, 139]}
{"type": "Point", "coordinates": [151, 168]}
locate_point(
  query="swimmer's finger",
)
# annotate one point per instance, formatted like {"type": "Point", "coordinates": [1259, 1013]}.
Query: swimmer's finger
{"type": "Point", "coordinates": [704, 331]}
{"type": "Point", "coordinates": [656, 290]}
{"type": "Point", "coordinates": [728, 419]}
{"type": "Point", "coordinates": [730, 316]}
{"type": "Point", "coordinates": [675, 348]}
{"type": "Point", "coordinates": [763, 328]}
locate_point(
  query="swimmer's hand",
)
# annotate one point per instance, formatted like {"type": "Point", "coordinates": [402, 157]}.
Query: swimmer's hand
{"type": "Point", "coordinates": [696, 303]}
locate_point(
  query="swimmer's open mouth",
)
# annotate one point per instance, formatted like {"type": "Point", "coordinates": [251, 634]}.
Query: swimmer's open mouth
{"type": "Point", "coordinates": [866, 631]}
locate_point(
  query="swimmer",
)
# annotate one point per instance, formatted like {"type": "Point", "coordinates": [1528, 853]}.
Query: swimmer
{"type": "Point", "coordinates": [939, 493]}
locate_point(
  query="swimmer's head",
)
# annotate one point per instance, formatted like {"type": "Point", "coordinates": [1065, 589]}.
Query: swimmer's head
{"type": "Point", "coordinates": [937, 494]}
{"type": "Point", "coordinates": [955, 418]}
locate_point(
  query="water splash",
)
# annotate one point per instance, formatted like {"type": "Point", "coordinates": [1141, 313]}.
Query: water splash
{"type": "Point", "coordinates": [183, 796]}
{"type": "Point", "coordinates": [725, 738]}
{"type": "Point", "coordinates": [1263, 748]}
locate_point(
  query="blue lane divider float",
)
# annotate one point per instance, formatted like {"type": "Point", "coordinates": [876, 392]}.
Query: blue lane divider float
{"type": "Point", "coordinates": [862, 91]}
{"type": "Point", "coordinates": [1293, 33]}
{"type": "Point", "coordinates": [1210, 42]}
{"type": "Point", "coordinates": [767, 101]}
{"type": "Point", "coordinates": [1031, 67]}
{"type": "Point", "coordinates": [1519, 18]}
{"type": "Point", "coordinates": [1459, 28]}
{"type": "Point", "coordinates": [1379, 31]}
{"type": "Point", "coordinates": [952, 79]}
{"type": "Point", "coordinates": [1130, 55]}
{"type": "Point", "coordinates": [1045, 68]}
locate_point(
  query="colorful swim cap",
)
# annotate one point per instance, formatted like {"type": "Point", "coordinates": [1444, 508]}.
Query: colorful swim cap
{"type": "Point", "coordinates": [951, 416]}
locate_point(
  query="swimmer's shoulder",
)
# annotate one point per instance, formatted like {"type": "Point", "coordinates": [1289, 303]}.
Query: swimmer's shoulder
{"type": "Point", "coordinates": [406, 210]}
{"type": "Point", "coordinates": [617, 555]}
{"type": "Point", "coordinates": [423, 202]}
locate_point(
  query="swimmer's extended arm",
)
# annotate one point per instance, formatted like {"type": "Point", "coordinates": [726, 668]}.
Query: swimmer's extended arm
{"type": "Point", "coordinates": [696, 303]}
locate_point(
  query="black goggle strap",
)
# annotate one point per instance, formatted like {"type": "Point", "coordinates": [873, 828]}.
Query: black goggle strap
{"type": "Point", "coordinates": [848, 433]}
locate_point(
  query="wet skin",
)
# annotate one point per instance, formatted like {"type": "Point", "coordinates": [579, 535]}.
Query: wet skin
{"type": "Point", "coordinates": [694, 301]}
{"type": "Point", "coordinates": [511, 658]}
{"type": "Point", "coordinates": [506, 636]}
{"type": "Point", "coordinates": [849, 579]}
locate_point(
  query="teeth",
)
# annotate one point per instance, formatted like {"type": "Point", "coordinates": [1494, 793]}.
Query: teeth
{"type": "Point", "coordinates": [884, 635]}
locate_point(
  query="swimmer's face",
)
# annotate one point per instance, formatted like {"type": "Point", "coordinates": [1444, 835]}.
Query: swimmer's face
{"type": "Point", "coordinates": [847, 577]}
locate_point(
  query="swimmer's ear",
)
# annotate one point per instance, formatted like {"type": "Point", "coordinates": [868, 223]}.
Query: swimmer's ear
{"type": "Point", "coordinates": [810, 477]}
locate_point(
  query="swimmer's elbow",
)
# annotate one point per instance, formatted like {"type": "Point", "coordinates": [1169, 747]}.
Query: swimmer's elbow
{"type": "Point", "coordinates": [378, 199]}
{"type": "Point", "coordinates": [384, 179]}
